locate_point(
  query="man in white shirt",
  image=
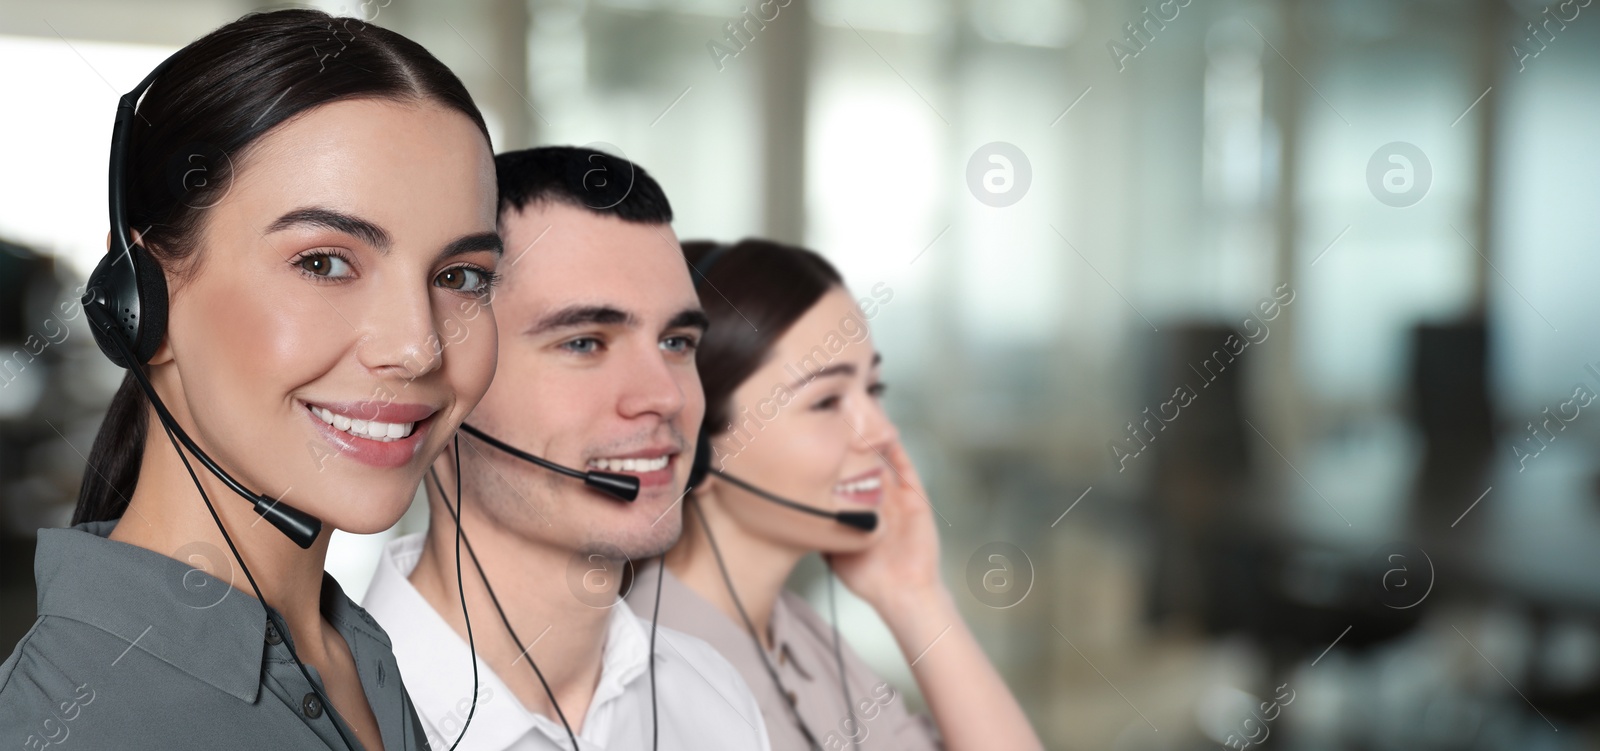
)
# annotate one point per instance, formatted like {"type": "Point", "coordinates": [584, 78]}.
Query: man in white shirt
{"type": "Point", "coordinates": [597, 320]}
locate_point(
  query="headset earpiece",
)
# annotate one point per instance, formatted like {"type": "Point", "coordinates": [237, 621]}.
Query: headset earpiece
{"type": "Point", "coordinates": [127, 286]}
{"type": "Point", "coordinates": [702, 448]}
{"type": "Point", "coordinates": [701, 466]}
{"type": "Point", "coordinates": [132, 289]}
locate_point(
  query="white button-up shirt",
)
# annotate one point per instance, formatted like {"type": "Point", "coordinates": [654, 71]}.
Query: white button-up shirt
{"type": "Point", "coordinates": [703, 703]}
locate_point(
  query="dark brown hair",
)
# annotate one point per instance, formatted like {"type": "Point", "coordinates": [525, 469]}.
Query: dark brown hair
{"type": "Point", "coordinates": [218, 96]}
{"type": "Point", "coordinates": [583, 178]}
{"type": "Point", "coordinates": [753, 292]}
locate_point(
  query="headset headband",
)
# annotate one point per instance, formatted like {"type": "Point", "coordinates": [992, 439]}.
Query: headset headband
{"type": "Point", "coordinates": [117, 198]}
{"type": "Point", "coordinates": [703, 266]}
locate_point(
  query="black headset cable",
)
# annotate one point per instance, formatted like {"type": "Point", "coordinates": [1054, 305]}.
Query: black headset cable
{"type": "Point", "coordinates": [750, 626]}
{"type": "Point", "coordinates": [496, 600]}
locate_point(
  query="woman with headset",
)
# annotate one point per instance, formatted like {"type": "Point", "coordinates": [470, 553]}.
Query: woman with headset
{"type": "Point", "coordinates": [302, 248]}
{"type": "Point", "coordinates": [797, 456]}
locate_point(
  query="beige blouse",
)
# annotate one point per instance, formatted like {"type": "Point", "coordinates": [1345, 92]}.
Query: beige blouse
{"type": "Point", "coordinates": [804, 660]}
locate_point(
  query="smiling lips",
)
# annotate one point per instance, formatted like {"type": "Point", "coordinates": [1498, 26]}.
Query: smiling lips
{"type": "Point", "coordinates": [372, 429]}
{"type": "Point", "coordinates": [865, 488]}
{"type": "Point", "coordinates": [653, 467]}
{"type": "Point", "coordinates": [379, 435]}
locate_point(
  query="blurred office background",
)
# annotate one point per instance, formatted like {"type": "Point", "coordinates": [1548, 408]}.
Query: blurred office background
{"type": "Point", "coordinates": [1243, 345]}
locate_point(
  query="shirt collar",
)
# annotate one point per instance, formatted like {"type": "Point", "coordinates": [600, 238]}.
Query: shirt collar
{"type": "Point", "coordinates": [716, 626]}
{"type": "Point", "coordinates": [171, 609]}
{"type": "Point", "coordinates": [426, 645]}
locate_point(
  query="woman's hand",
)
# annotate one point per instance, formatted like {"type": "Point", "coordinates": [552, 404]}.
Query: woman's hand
{"type": "Point", "coordinates": [899, 577]}
{"type": "Point", "coordinates": [899, 574]}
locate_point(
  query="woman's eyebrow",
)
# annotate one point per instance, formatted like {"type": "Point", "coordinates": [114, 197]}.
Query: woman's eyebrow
{"type": "Point", "coordinates": [836, 369]}
{"type": "Point", "coordinates": [473, 243]}
{"type": "Point", "coordinates": [377, 237]}
{"type": "Point", "coordinates": [338, 221]}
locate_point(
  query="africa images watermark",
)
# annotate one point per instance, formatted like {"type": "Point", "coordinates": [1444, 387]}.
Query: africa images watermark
{"type": "Point", "coordinates": [56, 729]}
{"type": "Point", "coordinates": [55, 331]}
{"type": "Point", "coordinates": [455, 332]}
{"type": "Point", "coordinates": [853, 728]}
{"type": "Point", "coordinates": [449, 726]}
{"type": "Point", "coordinates": [1141, 32]}
{"type": "Point", "coordinates": [1533, 45]}
{"type": "Point", "coordinates": [740, 33]}
{"type": "Point", "coordinates": [324, 52]}
{"type": "Point", "coordinates": [1255, 330]}
{"type": "Point", "coordinates": [1260, 717]}
{"type": "Point", "coordinates": [1534, 444]}
{"type": "Point", "coordinates": [851, 329]}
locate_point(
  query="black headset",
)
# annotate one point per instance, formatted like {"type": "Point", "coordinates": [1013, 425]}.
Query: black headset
{"type": "Point", "coordinates": [619, 486]}
{"type": "Point", "coordinates": [126, 303]}
{"type": "Point", "coordinates": [865, 521]}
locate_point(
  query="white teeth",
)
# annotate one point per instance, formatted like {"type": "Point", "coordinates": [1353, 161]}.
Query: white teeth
{"type": "Point", "coordinates": [860, 486]}
{"type": "Point", "coordinates": [628, 465]}
{"type": "Point", "coordinates": [369, 429]}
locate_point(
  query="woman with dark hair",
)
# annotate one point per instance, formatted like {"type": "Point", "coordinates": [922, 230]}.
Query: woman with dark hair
{"type": "Point", "coordinates": [311, 206]}
{"type": "Point", "coordinates": [793, 418]}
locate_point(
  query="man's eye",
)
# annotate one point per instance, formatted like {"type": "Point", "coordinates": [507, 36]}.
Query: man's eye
{"type": "Point", "coordinates": [679, 344]}
{"type": "Point", "coordinates": [583, 346]}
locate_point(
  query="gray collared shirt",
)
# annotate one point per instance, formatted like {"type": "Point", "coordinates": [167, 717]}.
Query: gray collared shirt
{"type": "Point", "coordinates": [133, 649]}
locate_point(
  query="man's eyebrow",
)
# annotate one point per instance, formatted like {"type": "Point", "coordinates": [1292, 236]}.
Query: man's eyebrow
{"type": "Point", "coordinates": [337, 221]}
{"type": "Point", "coordinates": [473, 243]}
{"type": "Point", "coordinates": [581, 315]}
{"type": "Point", "coordinates": [691, 318]}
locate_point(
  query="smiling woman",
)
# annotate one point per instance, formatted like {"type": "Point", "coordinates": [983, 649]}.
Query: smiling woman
{"type": "Point", "coordinates": [292, 234]}
{"type": "Point", "coordinates": [824, 473]}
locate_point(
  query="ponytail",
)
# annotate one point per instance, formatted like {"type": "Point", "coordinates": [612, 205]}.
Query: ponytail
{"type": "Point", "coordinates": [113, 468]}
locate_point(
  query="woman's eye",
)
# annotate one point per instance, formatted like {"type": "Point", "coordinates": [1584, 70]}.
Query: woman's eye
{"type": "Point", "coordinates": [876, 390]}
{"type": "Point", "coordinates": [468, 279]}
{"type": "Point", "coordinates": [679, 344]}
{"type": "Point", "coordinates": [827, 403]}
{"type": "Point", "coordinates": [324, 265]}
{"type": "Point", "coordinates": [582, 346]}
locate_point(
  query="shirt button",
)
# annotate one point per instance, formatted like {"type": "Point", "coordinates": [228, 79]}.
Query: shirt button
{"type": "Point", "coordinates": [311, 705]}
{"type": "Point", "coordinates": [273, 637]}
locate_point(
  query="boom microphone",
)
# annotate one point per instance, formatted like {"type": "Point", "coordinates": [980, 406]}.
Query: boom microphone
{"type": "Point", "coordinates": [865, 521]}
{"type": "Point", "coordinates": [619, 486]}
{"type": "Point", "coordinates": [298, 525]}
